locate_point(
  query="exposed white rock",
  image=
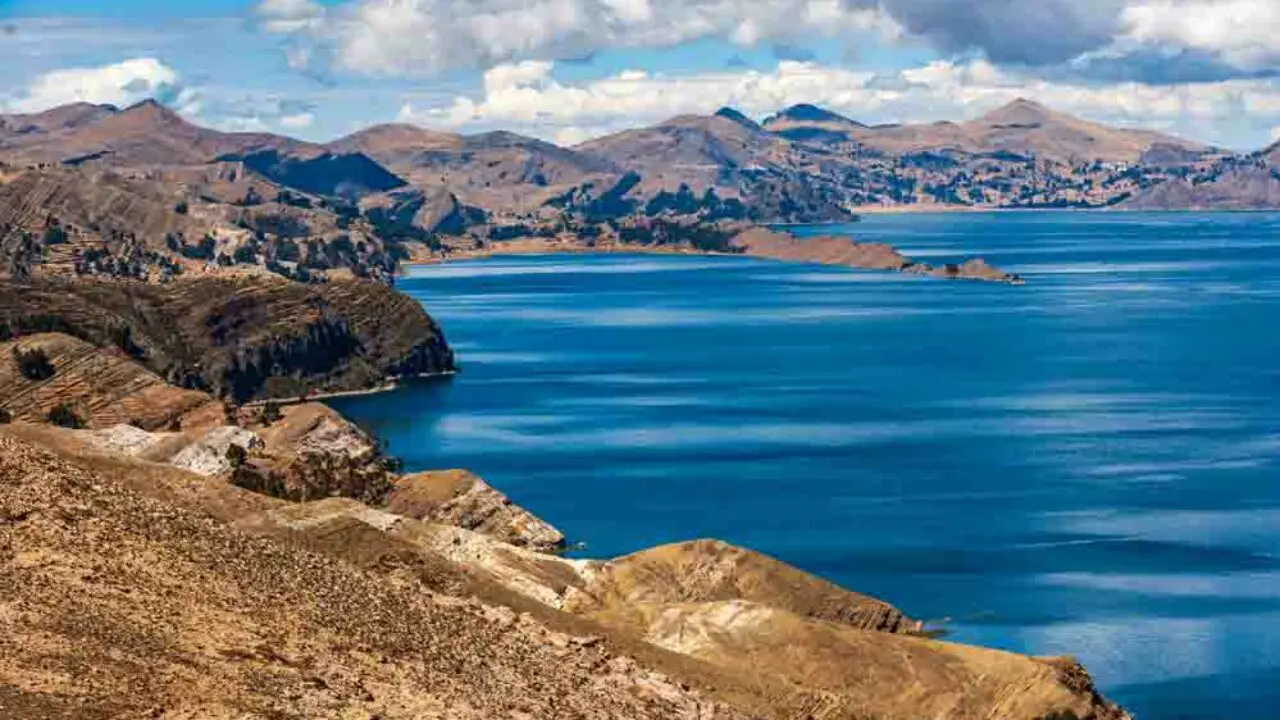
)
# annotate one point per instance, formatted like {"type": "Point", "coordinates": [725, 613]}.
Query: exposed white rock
{"type": "Point", "coordinates": [125, 439]}
{"type": "Point", "coordinates": [208, 455]}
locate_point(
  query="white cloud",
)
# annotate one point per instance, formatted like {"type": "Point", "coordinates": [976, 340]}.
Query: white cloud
{"type": "Point", "coordinates": [528, 97]}
{"type": "Point", "coordinates": [421, 37]}
{"type": "Point", "coordinates": [301, 121]}
{"type": "Point", "coordinates": [1245, 33]}
{"type": "Point", "coordinates": [120, 84]}
{"type": "Point", "coordinates": [290, 16]}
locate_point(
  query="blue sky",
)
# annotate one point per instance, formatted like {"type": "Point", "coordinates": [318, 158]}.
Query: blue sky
{"type": "Point", "coordinates": [568, 70]}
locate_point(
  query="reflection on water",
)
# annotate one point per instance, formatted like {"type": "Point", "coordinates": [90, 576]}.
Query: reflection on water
{"type": "Point", "coordinates": [1082, 465]}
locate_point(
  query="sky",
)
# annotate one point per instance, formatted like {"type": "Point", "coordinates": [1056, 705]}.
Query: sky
{"type": "Point", "coordinates": [570, 70]}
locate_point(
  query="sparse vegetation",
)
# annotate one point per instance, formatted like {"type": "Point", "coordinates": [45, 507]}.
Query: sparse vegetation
{"type": "Point", "coordinates": [236, 456]}
{"type": "Point", "coordinates": [271, 413]}
{"type": "Point", "coordinates": [65, 416]}
{"type": "Point", "coordinates": [6, 417]}
{"type": "Point", "coordinates": [34, 364]}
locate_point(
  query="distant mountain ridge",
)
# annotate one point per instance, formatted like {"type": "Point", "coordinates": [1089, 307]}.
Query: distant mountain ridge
{"type": "Point", "coordinates": [145, 172]}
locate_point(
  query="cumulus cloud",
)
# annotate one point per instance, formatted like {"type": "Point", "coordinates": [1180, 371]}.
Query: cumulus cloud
{"type": "Point", "coordinates": [1245, 33]}
{"type": "Point", "coordinates": [528, 96]}
{"type": "Point", "coordinates": [120, 84]}
{"type": "Point", "coordinates": [420, 37]}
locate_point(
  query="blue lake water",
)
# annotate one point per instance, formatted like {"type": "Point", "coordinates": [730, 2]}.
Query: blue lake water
{"type": "Point", "coordinates": [1084, 465]}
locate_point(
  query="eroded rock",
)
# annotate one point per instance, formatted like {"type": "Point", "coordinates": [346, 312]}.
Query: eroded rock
{"type": "Point", "coordinates": [456, 497]}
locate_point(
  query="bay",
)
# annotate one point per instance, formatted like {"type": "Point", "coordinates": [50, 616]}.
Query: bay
{"type": "Point", "coordinates": [1083, 465]}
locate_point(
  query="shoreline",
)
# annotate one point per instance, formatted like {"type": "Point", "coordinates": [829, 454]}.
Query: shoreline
{"type": "Point", "coordinates": [760, 243]}
{"type": "Point", "coordinates": [390, 385]}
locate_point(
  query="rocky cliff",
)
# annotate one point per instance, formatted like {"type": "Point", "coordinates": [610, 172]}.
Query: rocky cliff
{"type": "Point", "coordinates": [456, 497]}
{"type": "Point", "coordinates": [240, 337]}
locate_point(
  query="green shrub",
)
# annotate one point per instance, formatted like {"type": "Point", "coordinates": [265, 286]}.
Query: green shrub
{"type": "Point", "coordinates": [66, 417]}
{"type": "Point", "coordinates": [237, 456]}
{"type": "Point", "coordinates": [34, 364]}
{"type": "Point", "coordinates": [6, 417]}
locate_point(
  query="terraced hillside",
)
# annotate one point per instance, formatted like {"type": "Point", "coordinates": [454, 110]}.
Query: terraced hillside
{"type": "Point", "coordinates": [243, 338]}
{"type": "Point", "coordinates": [103, 388]}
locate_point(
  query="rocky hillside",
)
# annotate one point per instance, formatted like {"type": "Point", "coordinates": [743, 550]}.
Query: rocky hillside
{"type": "Point", "coordinates": [242, 338]}
{"type": "Point", "coordinates": [1023, 127]}
{"type": "Point", "coordinates": [191, 597]}
{"type": "Point", "coordinates": [1230, 183]}
{"type": "Point", "coordinates": [179, 616]}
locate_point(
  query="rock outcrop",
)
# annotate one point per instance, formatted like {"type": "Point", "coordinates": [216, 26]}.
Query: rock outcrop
{"type": "Point", "coordinates": [456, 497]}
{"type": "Point", "coordinates": [693, 599]}
{"type": "Point", "coordinates": [709, 571]}
{"type": "Point", "coordinates": [832, 250]}
{"type": "Point", "coordinates": [311, 452]}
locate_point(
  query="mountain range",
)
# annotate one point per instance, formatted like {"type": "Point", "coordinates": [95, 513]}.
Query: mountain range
{"type": "Point", "coordinates": [142, 192]}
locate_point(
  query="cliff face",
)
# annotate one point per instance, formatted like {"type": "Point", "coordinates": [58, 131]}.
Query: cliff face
{"type": "Point", "coordinates": [240, 337]}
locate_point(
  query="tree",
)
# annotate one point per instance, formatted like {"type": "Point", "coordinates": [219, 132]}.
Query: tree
{"type": "Point", "coordinates": [6, 417]}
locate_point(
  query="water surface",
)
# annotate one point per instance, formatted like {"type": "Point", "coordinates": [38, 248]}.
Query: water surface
{"type": "Point", "coordinates": [1083, 465]}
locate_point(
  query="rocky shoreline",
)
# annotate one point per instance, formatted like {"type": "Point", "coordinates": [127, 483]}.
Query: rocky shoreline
{"type": "Point", "coordinates": [697, 629]}
{"type": "Point", "coordinates": [750, 241]}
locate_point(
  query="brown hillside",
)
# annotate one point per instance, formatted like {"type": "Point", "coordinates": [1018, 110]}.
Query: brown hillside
{"type": "Point", "coordinates": [104, 387]}
{"type": "Point", "coordinates": [242, 337]}
{"type": "Point", "coordinates": [180, 617]}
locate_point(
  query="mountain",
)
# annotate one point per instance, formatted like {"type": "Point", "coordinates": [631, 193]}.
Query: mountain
{"type": "Point", "coordinates": [710, 159]}
{"type": "Point", "coordinates": [803, 164]}
{"type": "Point", "coordinates": [239, 337]}
{"type": "Point", "coordinates": [1250, 182]}
{"type": "Point", "coordinates": [688, 144]}
{"type": "Point", "coordinates": [1022, 127]}
{"type": "Point", "coordinates": [146, 134]}
{"type": "Point", "coordinates": [810, 123]}
{"type": "Point", "coordinates": [736, 115]}
{"type": "Point", "coordinates": [335, 175]}
{"type": "Point", "coordinates": [389, 143]}
{"type": "Point", "coordinates": [59, 119]}
{"type": "Point", "coordinates": [502, 172]}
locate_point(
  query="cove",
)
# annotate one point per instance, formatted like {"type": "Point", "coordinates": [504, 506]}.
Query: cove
{"type": "Point", "coordinates": [1086, 464]}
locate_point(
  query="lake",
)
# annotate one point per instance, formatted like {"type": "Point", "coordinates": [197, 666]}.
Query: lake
{"type": "Point", "coordinates": [1084, 465]}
